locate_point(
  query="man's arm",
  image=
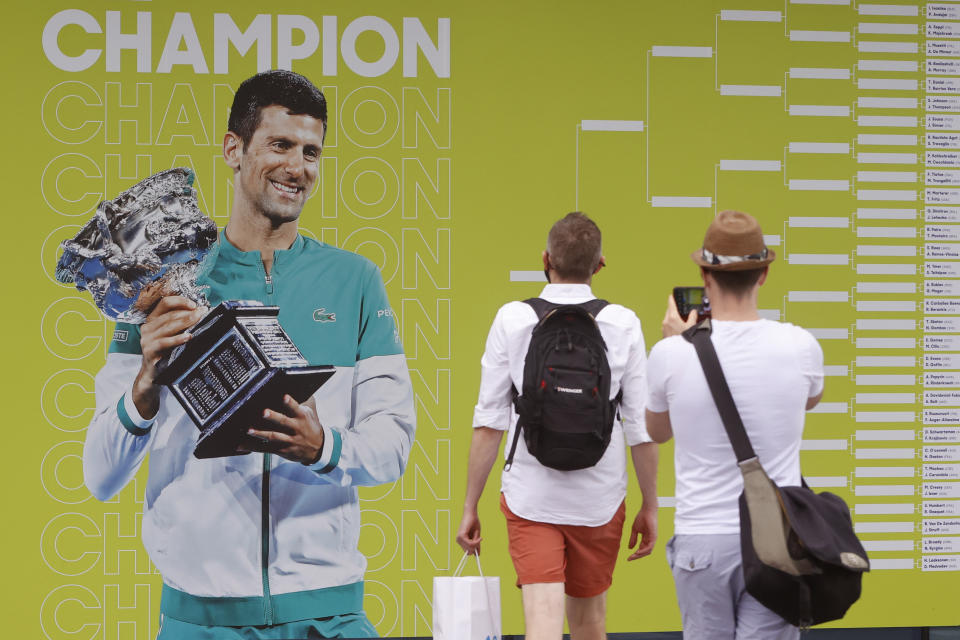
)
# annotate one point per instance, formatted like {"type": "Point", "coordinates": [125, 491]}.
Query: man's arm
{"type": "Point", "coordinates": [484, 448]}
{"type": "Point", "coordinates": [121, 431]}
{"type": "Point", "coordinates": [643, 452]}
{"type": "Point", "coordinates": [117, 438]}
{"type": "Point", "coordinates": [375, 447]}
{"type": "Point", "coordinates": [658, 426]}
{"type": "Point", "coordinates": [645, 457]}
{"type": "Point", "coordinates": [493, 407]}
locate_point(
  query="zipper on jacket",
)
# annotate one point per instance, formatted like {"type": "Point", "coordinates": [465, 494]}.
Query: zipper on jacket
{"type": "Point", "coordinates": [265, 493]}
{"type": "Point", "coordinates": [265, 540]}
{"type": "Point", "coordinates": [268, 282]}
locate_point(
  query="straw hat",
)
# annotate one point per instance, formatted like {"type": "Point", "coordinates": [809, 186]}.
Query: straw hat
{"type": "Point", "coordinates": [734, 242]}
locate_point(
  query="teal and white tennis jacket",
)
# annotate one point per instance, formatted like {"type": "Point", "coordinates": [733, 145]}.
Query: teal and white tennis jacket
{"type": "Point", "coordinates": [256, 539]}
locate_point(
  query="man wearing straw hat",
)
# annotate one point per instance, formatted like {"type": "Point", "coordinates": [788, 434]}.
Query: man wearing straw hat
{"type": "Point", "coordinates": [775, 372]}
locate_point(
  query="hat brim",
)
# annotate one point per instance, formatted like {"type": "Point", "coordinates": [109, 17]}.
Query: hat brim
{"type": "Point", "coordinates": [743, 265]}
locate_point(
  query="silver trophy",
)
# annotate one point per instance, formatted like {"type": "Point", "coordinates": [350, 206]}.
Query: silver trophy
{"type": "Point", "coordinates": [145, 244]}
{"type": "Point", "coordinates": [149, 242]}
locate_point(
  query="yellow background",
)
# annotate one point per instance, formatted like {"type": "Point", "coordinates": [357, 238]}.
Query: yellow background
{"type": "Point", "coordinates": [523, 77]}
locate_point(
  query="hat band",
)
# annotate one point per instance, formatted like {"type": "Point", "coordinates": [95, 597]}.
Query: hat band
{"type": "Point", "coordinates": [714, 258]}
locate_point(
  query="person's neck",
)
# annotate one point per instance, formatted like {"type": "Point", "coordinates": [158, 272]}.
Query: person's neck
{"type": "Point", "coordinates": [259, 234]}
{"type": "Point", "coordinates": [556, 279]}
{"type": "Point", "coordinates": [732, 308]}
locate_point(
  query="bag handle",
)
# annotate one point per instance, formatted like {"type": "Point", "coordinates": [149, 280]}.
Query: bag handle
{"type": "Point", "coordinates": [456, 573]}
{"type": "Point", "coordinates": [699, 335]}
{"type": "Point", "coordinates": [463, 565]}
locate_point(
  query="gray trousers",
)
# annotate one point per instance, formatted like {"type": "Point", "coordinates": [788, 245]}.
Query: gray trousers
{"type": "Point", "coordinates": [710, 589]}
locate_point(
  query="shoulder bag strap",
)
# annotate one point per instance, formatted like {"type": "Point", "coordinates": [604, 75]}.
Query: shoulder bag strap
{"type": "Point", "coordinates": [699, 335]}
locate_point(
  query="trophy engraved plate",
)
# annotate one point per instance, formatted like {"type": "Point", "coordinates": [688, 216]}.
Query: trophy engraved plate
{"type": "Point", "coordinates": [274, 343]}
{"type": "Point", "coordinates": [218, 377]}
{"type": "Point", "coordinates": [239, 362]}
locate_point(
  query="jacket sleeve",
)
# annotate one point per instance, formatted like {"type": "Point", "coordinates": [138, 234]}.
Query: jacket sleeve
{"type": "Point", "coordinates": [374, 448]}
{"type": "Point", "coordinates": [117, 438]}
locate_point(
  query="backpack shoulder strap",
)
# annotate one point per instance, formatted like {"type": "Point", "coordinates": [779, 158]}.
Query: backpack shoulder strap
{"type": "Point", "coordinates": [595, 306]}
{"type": "Point", "coordinates": [513, 447]}
{"type": "Point", "coordinates": [699, 335]}
{"type": "Point", "coordinates": [540, 306]}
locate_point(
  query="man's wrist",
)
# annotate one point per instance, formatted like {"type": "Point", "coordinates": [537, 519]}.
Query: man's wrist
{"type": "Point", "coordinates": [130, 416]}
{"type": "Point", "coordinates": [146, 396]}
{"type": "Point", "coordinates": [319, 451]}
{"type": "Point", "coordinates": [330, 450]}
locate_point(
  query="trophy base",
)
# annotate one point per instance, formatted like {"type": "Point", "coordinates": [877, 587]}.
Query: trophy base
{"type": "Point", "coordinates": [223, 438]}
{"type": "Point", "coordinates": [238, 362]}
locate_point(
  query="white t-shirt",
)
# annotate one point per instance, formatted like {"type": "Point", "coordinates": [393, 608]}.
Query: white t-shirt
{"type": "Point", "coordinates": [771, 369]}
{"type": "Point", "coordinates": [583, 497]}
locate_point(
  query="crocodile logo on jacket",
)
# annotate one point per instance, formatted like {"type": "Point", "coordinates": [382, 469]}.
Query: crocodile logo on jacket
{"type": "Point", "coordinates": [321, 315]}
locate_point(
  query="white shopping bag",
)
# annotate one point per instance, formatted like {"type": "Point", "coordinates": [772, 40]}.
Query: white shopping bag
{"type": "Point", "coordinates": [466, 607]}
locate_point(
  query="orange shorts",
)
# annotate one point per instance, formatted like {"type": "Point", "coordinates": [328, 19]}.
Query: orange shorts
{"type": "Point", "coordinates": [582, 558]}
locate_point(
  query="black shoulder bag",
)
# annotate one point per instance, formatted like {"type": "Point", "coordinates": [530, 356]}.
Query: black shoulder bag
{"type": "Point", "coordinates": [801, 557]}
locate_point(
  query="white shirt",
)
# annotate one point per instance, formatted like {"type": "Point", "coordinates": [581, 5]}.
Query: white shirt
{"type": "Point", "coordinates": [583, 497]}
{"type": "Point", "coordinates": [771, 369]}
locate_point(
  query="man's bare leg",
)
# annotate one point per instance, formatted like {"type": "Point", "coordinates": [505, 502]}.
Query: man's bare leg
{"type": "Point", "coordinates": [543, 610]}
{"type": "Point", "coordinates": [587, 617]}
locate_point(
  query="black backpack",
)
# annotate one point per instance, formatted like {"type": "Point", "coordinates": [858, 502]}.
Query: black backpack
{"type": "Point", "coordinates": [564, 408]}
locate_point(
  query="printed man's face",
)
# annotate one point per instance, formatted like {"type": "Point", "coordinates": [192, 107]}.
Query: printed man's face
{"type": "Point", "coordinates": [279, 166]}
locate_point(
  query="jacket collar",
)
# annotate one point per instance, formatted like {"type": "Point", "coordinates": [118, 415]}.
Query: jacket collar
{"type": "Point", "coordinates": [231, 254]}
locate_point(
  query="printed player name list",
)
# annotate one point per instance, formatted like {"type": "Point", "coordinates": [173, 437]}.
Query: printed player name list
{"type": "Point", "coordinates": [941, 305]}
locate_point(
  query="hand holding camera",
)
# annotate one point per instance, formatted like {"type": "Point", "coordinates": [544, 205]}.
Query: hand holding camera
{"type": "Point", "coordinates": [685, 307]}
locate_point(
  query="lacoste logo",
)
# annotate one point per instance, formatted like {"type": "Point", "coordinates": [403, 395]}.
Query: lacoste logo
{"type": "Point", "coordinates": [120, 335]}
{"type": "Point", "coordinates": [321, 315]}
{"type": "Point", "coordinates": [569, 390]}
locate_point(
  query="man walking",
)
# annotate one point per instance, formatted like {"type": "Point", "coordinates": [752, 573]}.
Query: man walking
{"type": "Point", "coordinates": [775, 373]}
{"type": "Point", "coordinates": [564, 526]}
{"type": "Point", "coordinates": [264, 545]}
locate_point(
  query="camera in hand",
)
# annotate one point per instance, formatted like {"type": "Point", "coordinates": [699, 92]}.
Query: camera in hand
{"type": "Point", "coordinates": [690, 298]}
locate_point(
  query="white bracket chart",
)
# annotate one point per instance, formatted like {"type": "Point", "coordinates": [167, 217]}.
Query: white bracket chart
{"type": "Point", "coordinates": [890, 224]}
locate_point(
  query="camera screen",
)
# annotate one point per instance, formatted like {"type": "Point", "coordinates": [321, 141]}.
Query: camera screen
{"type": "Point", "coordinates": [694, 296]}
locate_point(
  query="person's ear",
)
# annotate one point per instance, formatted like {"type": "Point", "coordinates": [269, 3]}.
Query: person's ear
{"type": "Point", "coordinates": [600, 265]}
{"type": "Point", "coordinates": [546, 260]}
{"type": "Point", "coordinates": [232, 150]}
{"type": "Point", "coordinates": [763, 276]}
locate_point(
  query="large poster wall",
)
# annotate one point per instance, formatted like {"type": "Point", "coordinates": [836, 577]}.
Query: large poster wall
{"type": "Point", "coordinates": [459, 132]}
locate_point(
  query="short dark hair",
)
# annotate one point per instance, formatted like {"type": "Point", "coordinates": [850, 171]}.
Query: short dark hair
{"type": "Point", "coordinates": [737, 283]}
{"type": "Point", "coordinates": [574, 246]}
{"type": "Point", "coordinates": [275, 87]}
